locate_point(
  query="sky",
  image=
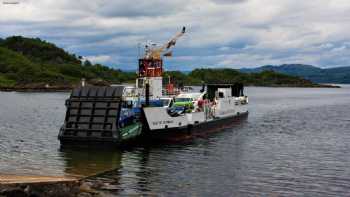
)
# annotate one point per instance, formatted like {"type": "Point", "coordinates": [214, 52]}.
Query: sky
{"type": "Point", "coordinates": [220, 33]}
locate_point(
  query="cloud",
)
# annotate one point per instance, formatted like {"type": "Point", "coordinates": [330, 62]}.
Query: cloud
{"type": "Point", "coordinates": [141, 8]}
{"type": "Point", "coordinates": [220, 33]}
{"type": "Point", "coordinates": [229, 1]}
{"type": "Point", "coordinates": [101, 59]}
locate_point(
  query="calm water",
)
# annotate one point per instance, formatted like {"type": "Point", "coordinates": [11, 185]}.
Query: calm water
{"type": "Point", "coordinates": [296, 142]}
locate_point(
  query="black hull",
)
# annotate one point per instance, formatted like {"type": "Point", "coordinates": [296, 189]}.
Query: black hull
{"type": "Point", "coordinates": [192, 131]}
{"type": "Point", "coordinates": [67, 142]}
{"type": "Point", "coordinates": [72, 143]}
{"type": "Point", "coordinates": [148, 137]}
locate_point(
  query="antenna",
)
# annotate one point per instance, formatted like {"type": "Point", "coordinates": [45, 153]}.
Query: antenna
{"type": "Point", "coordinates": [138, 50]}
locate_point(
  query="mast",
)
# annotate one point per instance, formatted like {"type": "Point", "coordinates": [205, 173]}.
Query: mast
{"type": "Point", "coordinates": [151, 66]}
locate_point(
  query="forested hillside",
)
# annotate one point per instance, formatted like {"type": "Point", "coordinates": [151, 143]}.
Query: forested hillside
{"type": "Point", "coordinates": [226, 75]}
{"type": "Point", "coordinates": [32, 63]}
{"type": "Point", "coordinates": [29, 61]}
{"type": "Point", "coordinates": [312, 73]}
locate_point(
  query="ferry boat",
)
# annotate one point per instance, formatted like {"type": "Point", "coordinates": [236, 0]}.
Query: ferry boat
{"type": "Point", "coordinates": [147, 111]}
{"type": "Point", "coordinates": [216, 108]}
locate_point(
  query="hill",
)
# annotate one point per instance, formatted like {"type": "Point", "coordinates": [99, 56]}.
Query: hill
{"type": "Point", "coordinates": [226, 75]}
{"type": "Point", "coordinates": [315, 74]}
{"type": "Point", "coordinates": [34, 64]}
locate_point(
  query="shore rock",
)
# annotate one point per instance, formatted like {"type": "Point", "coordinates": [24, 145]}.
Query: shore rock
{"type": "Point", "coordinates": [48, 189]}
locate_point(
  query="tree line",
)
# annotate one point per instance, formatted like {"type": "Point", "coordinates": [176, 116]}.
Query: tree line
{"type": "Point", "coordinates": [32, 60]}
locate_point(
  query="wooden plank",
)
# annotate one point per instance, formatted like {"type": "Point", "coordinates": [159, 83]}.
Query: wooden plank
{"type": "Point", "coordinates": [20, 179]}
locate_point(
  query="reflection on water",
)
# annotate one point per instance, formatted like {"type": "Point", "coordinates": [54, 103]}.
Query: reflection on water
{"type": "Point", "coordinates": [84, 162]}
{"type": "Point", "coordinates": [295, 142]}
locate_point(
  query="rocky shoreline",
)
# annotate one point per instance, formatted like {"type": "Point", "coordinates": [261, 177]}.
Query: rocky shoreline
{"type": "Point", "coordinates": [44, 87]}
{"type": "Point", "coordinates": [67, 88]}
{"type": "Point", "coordinates": [298, 86]}
{"type": "Point", "coordinates": [54, 189]}
{"type": "Point", "coordinates": [66, 188]}
{"type": "Point", "coordinates": [37, 88]}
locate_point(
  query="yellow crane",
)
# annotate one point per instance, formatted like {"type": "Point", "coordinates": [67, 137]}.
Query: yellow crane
{"type": "Point", "coordinates": [157, 52]}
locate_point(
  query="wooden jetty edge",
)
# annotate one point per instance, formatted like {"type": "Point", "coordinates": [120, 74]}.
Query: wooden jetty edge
{"type": "Point", "coordinates": [16, 179]}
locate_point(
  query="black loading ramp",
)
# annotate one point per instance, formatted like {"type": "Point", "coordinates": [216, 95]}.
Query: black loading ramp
{"type": "Point", "coordinates": [92, 115]}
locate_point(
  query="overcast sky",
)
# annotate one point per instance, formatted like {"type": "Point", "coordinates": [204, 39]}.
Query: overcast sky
{"type": "Point", "coordinates": [220, 33]}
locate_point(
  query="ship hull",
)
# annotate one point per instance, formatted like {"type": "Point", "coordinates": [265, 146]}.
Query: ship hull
{"type": "Point", "coordinates": [188, 132]}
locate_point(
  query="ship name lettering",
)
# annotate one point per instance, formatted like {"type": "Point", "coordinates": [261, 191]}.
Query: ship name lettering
{"type": "Point", "coordinates": [162, 122]}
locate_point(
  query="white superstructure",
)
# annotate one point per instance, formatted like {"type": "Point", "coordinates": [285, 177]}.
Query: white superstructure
{"type": "Point", "coordinates": [155, 84]}
{"type": "Point", "coordinates": [223, 105]}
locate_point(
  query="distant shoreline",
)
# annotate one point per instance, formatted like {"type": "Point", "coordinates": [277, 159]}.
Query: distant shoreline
{"type": "Point", "coordinates": [291, 86]}
{"type": "Point", "coordinates": [70, 88]}
{"type": "Point", "coordinates": [33, 88]}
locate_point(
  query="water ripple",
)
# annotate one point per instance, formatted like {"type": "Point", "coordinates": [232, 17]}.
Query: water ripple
{"type": "Point", "coordinates": [294, 143]}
